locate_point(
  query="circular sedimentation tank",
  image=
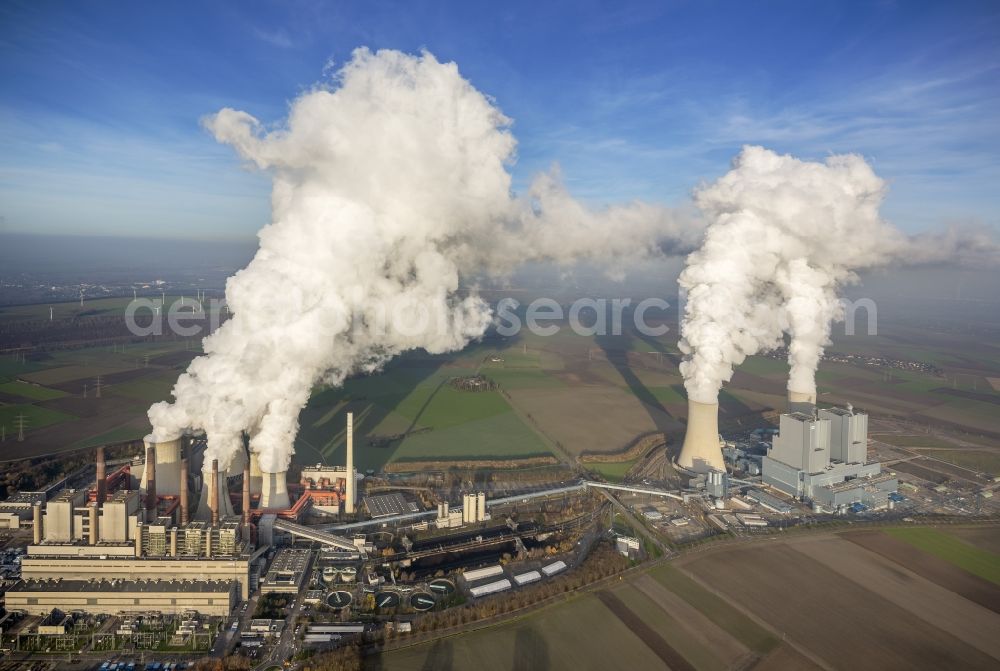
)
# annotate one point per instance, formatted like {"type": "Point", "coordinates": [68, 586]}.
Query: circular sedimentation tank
{"type": "Point", "coordinates": [442, 586]}
{"type": "Point", "coordinates": [386, 600]}
{"type": "Point", "coordinates": [421, 601]}
{"type": "Point", "coordinates": [339, 599]}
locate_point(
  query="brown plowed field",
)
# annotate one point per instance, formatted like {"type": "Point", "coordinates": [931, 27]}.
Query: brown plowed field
{"type": "Point", "coordinates": [841, 622]}
{"type": "Point", "coordinates": [946, 610]}
{"type": "Point", "coordinates": [938, 571]}
{"type": "Point", "coordinates": [783, 658]}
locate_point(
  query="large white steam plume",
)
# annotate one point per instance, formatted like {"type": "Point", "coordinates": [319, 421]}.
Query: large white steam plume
{"type": "Point", "coordinates": [782, 237]}
{"type": "Point", "coordinates": [388, 185]}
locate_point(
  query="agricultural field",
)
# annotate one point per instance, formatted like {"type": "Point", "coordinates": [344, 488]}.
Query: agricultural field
{"type": "Point", "coordinates": [964, 555]}
{"type": "Point", "coordinates": [821, 591]}
{"type": "Point", "coordinates": [564, 394]}
{"type": "Point", "coordinates": [612, 471]}
{"type": "Point", "coordinates": [548, 639]}
{"type": "Point", "coordinates": [56, 393]}
{"type": "Point", "coordinates": [775, 604]}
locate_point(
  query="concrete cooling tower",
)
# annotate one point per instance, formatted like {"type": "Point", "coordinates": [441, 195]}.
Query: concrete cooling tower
{"type": "Point", "coordinates": [274, 490]}
{"type": "Point", "coordinates": [702, 448]}
{"type": "Point", "coordinates": [168, 466]}
{"type": "Point", "coordinates": [236, 465]}
{"type": "Point", "coordinates": [256, 477]}
{"type": "Point", "coordinates": [210, 494]}
{"type": "Point", "coordinates": [803, 402]}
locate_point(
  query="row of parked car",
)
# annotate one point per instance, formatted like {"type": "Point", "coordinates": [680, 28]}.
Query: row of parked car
{"type": "Point", "coordinates": [151, 666]}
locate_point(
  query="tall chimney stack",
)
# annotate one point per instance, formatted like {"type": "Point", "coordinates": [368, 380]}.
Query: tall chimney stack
{"type": "Point", "coordinates": [246, 493]}
{"type": "Point", "coordinates": [349, 489]}
{"type": "Point", "coordinates": [150, 484]}
{"type": "Point", "coordinates": [702, 450]}
{"type": "Point", "coordinates": [799, 401]}
{"type": "Point", "coordinates": [102, 477]}
{"type": "Point", "coordinates": [213, 493]}
{"type": "Point", "coordinates": [36, 511]}
{"type": "Point", "coordinates": [185, 501]}
{"type": "Point", "coordinates": [92, 514]}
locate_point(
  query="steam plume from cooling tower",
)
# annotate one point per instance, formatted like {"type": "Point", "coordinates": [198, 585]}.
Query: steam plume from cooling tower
{"type": "Point", "coordinates": [389, 184]}
{"type": "Point", "coordinates": [782, 237]}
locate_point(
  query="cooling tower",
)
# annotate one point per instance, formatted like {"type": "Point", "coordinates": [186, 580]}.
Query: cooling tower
{"type": "Point", "coordinates": [803, 402]}
{"type": "Point", "coordinates": [256, 477]}
{"type": "Point", "coordinates": [168, 466]}
{"type": "Point", "coordinates": [274, 490]}
{"type": "Point", "coordinates": [204, 512]}
{"type": "Point", "coordinates": [702, 449]}
{"type": "Point", "coordinates": [239, 460]}
{"type": "Point", "coordinates": [349, 496]}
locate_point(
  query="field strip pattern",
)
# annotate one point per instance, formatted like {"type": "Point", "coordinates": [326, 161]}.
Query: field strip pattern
{"type": "Point", "coordinates": [695, 623]}
{"type": "Point", "coordinates": [935, 569]}
{"type": "Point", "coordinates": [653, 640]}
{"type": "Point", "coordinates": [838, 620]}
{"type": "Point", "coordinates": [966, 556]}
{"type": "Point", "coordinates": [929, 601]}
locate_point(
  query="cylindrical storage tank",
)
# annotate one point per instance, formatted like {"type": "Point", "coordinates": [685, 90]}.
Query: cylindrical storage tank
{"type": "Point", "coordinates": [330, 574]}
{"type": "Point", "coordinates": [702, 449]}
{"type": "Point", "coordinates": [804, 402]}
{"type": "Point", "coordinates": [480, 507]}
{"type": "Point", "coordinates": [168, 466]}
{"type": "Point", "coordinates": [348, 574]}
{"type": "Point", "coordinates": [274, 492]}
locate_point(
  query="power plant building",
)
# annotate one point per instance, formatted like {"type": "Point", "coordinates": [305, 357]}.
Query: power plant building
{"type": "Point", "coordinates": [823, 458]}
{"type": "Point", "coordinates": [112, 596]}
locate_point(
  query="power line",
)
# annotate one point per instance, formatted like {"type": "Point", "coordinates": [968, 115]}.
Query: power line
{"type": "Point", "coordinates": [20, 428]}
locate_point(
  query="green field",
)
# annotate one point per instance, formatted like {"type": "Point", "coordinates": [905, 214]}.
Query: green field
{"type": "Point", "coordinates": [613, 471]}
{"type": "Point", "coordinates": [414, 397]}
{"type": "Point", "coordinates": [34, 417]}
{"type": "Point", "coordinates": [31, 391]}
{"type": "Point", "coordinates": [968, 557]}
{"type": "Point", "coordinates": [745, 630]}
{"type": "Point", "coordinates": [911, 441]}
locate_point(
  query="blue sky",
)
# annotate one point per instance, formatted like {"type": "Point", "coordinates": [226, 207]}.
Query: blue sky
{"type": "Point", "coordinates": [100, 101]}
